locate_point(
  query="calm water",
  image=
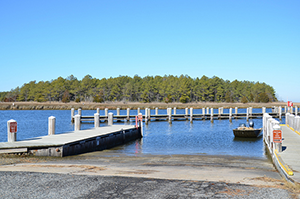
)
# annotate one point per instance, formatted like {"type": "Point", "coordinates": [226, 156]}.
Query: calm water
{"type": "Point", "coordinates": [180, 137]}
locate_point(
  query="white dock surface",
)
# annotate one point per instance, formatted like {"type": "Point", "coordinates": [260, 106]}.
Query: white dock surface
{"type": "Point", "coordinates": [291, 154]}
{"type": "Point", "coordinates": [62, 139]}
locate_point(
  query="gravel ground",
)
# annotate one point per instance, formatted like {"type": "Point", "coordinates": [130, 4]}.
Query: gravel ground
{"type": "Point", "coordinates": [47, 185]}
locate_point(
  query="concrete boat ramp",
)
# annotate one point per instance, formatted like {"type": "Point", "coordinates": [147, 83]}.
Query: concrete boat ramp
{"type": "Point", "coordinates": [75, 142]}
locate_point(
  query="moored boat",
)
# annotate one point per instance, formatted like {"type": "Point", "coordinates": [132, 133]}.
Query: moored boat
{"type": "Point", "coordinates": [246, 132]}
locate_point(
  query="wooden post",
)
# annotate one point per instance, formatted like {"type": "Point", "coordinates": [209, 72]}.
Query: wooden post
{"type": "Point", "coordinates": [212, 114]}
{"type": "Point", "coordinates": [146, 115]}
{"type": "Point", "coordinates": [186, 113]}
{"type": "Point", "coordinates": [72, 114]}
{"type": "Point", "coordinates": [138, 111]}
{"type": "Point", "coordinates": [169, 112]}
{"type": "Point", "coordinates": [128, 114]}
{"type": "Point", "coordinates": [207, 110]}
{"type": "Point", "coordinates": [236, 111]}
{"type": "Point", "coordinates": [51, 125]}
{"type": "Point", "coordinates": [247, 114]}
{"type": "Point", "coordinates": [98, 111]}
{"type": "Point", "coordinates": [96, 120]}
{"type": "Point", "coordinates": [140, 115]}
{"type": "Point", "coordinates": [156, 111]}
{"type": "Point", "coordinates": [280, 112]}
{"type": "Point", "coordinates": [219, 109]}
{"type": "Point", "coordinates": [263, 110]}
{"type": "Point", "coordinates": [250, 111]}
{"type": "Point", "coordinates": [203, 113]}
{"type": "Point", "coordinates": [106, 112]}
{"type": "Point", "coordinates": [12, 130]}
{"type": "Point", "coordinates": [79, 112]}
{"type": "Point", "coordinates": [230, 114]}
{"type": "Point", "coordinates": [191, 115]}
{"type": "Point", "coordinates": [297, 125]}
{"type": "Point", "coordinates": [285, 109]}
{"type": "Point", "coordinates": [222, 110]}
{"type": "Point", "coordinates": [110, 119]}
{"type": "Point", "coordinates": [174, 111]}
{"type": "Point", "coordinates": [149, 113]}
{"type": "Point", "coordinates": [77, 123]}
{"type": "Point", "coordinates": [118, 111]}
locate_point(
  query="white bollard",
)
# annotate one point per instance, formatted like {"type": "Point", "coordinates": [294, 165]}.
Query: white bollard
{"type": "Point", "coordinates": [280, 112]}
{"type": "Point", "coordinates": [277, 143]}
{"type": "Point", "coordinates": [96, 120]}
{"type": "Point", "coordinates": [247, 114]}
{"type": "Point", "coordinates": [106, 111]}
{"type": "Point", "coordinates": [128, 114]}
{"type": "Point", "coordinates": [12, 127]}
{"type": "Point", "coordinates": [110, 120]}
{"type": "Point", "coordinates": [297, 124]}
{"type": "Point", "coordinates": [72, 114]}
{"type": "Point", "coordinates": [146, 115]}
{"type": "Point", "coordinates": [51, 125]}
{"type": "Point", "coordinates": [296, 110]}
{"type": "Point", "coordinates": [169, 112]}
{"type": "Point", "coordinates": [191, 114]}
{"type": "Point", "coordinates": [77, 123]}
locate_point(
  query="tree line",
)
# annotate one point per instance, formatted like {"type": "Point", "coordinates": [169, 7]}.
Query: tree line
{"type": "Point", "coordinates": [137, 89]}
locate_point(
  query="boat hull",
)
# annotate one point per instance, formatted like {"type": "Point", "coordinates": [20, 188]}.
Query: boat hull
{"type": "Point", "coordinates": [246, 133]}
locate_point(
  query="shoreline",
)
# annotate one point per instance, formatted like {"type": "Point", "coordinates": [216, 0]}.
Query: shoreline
{"type": "Point", "coordinates": [131, 105]}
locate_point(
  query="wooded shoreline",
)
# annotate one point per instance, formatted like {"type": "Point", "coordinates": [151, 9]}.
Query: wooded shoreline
{"type": "Point", "coordinates": [125, 105]}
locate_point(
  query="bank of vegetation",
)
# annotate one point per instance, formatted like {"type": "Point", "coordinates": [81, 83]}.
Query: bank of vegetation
{"type": "Point", "coordinates": [166, 89]}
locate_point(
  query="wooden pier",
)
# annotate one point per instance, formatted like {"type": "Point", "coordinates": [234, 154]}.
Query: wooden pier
{"type": "Point", "coordinates": [207, 114]}
{"type": "Point", "coordinates": [75, 142]}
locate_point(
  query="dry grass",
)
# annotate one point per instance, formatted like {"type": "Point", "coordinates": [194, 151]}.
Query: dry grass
{"type": "Point", "coordinates": [132, 105]}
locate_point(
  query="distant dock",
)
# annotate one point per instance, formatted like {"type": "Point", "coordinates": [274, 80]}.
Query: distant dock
{"type": "Point", "coordinates": [206, 114]}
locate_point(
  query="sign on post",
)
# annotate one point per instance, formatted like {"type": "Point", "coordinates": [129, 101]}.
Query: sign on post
{"type": "Point", "coordinates": [277, 136]}
{"type": "Point", "coordinates": [13, 127]}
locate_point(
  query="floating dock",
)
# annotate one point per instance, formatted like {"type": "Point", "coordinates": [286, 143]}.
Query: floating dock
{"type": "Point", "coordinates": [74, 142]}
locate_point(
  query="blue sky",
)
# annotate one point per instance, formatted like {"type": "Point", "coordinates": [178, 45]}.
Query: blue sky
{"type": "Point", "coordinates": [232, 39]}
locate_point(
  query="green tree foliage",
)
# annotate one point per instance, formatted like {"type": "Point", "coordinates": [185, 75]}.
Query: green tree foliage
{"type": "Point", "coordinates": [244, 100]}
{"type": "Point", "coordinates": [137, 89]}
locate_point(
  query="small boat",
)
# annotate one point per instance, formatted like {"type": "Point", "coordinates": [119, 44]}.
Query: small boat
{"type": "Point", "coordinates": [246, 132]}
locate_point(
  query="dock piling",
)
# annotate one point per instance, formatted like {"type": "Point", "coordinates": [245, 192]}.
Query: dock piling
{"type": "Point", "coordinates": [128, 114]}
{"type": "Point", "coordinates": [11, 130]}
{"type": "Point", "coordinates": [230, 114]}
{"type": "Point", "coordinates": [174, 111]}
{"type": "Point", "coordinates": [191, 115]}
{"type": "Point", "coordinates": [79, 112]}
{"type": "Point", "coordinates": [72, 114]}
{"type": "Point", "coordinates": [51, 125]}
{"type": "Point", "coordinates": [156, 111]}
{"type": "Point", "coordinates": [77, 123]}
{"type": "Point", "coordinates": [212, 114]}
{"type": "Point", "coordinates": [169, 112]}
{"type": "Point", "coordinates": [110, 120]}
{"type": "Point", "coordinates": [98, 111]}
{"type": "Point", "coordinates": [118, 111]}
{"type": "Point", "coordinates": [186, 113]}
{"type": "Point", "coordinates": [96, 120]}
{"type": "Point", "coordinates": [106, 112]}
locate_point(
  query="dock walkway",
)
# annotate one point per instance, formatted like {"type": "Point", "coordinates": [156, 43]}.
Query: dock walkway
{"type": "Point", "coordinates": [290, 154]}
{"type": "Point", "coordinates": [74, 142]}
